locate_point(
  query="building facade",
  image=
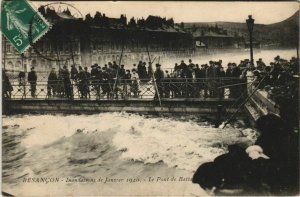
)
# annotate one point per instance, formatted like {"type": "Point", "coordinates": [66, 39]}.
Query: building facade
{"type": "Point", "coordinates": [100, 40]}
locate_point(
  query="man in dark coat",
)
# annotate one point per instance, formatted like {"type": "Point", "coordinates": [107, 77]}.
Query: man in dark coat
{"type": "Point", "coordinates": [93, 77]}
{"type": "Point", "coordinates": [235, 73]}
{"type": "Point", "coordinates": [82, 81]}
{"type": "Point", "coordinates": [191, 64]}
{"type": "Point", "coordinates": [74, 72]}
{"type": "Point", "coordinates": [32, 78]}
{"type": "Point", "coordinates": [140, 69]}
{"type": "Point", "coordinates": [106, 85]}
{"type": "Point", "coordinates": [127, 82]}
{"type": "Point", "coordinates": [52, 81]}
{"type": "Point", "coordinates": [88, 81]}
{"type": "Point", "coordinates": [144, 72]}
{"type": "Point", "coordinates": [6, 85]}
{"type": "Point", "coordinates": [182, 65]}
{"type": "Point", "coordinates": [159, 76]}
{"type": "Point", "coordinates": [94, 70]}
{"type": "Point", "coordinates": [67, 82]}
{"type": "Point", "coordinates": [122, 72]}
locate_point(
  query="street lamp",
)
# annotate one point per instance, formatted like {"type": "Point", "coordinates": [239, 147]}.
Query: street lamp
{"type": "Point", "coordinates": [250, 24]}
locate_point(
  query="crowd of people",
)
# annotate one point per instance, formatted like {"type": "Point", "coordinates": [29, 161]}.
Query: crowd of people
{"type": "Point", "coordinates": [281, 80]}
{"type": "Point", "coordinates": [278, 73]}
{"type": "Point", "coordinates": [185, 80]}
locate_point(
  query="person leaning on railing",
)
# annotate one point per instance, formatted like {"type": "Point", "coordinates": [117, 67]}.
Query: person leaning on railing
{"type": "Point", "coordinates": [127, 82]}
{"type": "Point", "coordinates": [135, 83]}
{"type": "Point", "coordinates": [6, 85]}
{"type": "Point", "coordinates": [87, 85]}
{"type": "Point", "coordinates": [106, 86]}
{"type": "Point", "coordinates": [74, 73]}
{"type": "Point", "coordinates": [52, 83]}
{"type": "Point", "coordinates": [96, 79]}
{"type": "Point", "coordinates": [67, 83]}
{"type": "Point", "coordinates": [32, 78]}
{"type": "Point", "coordinates": [159, 76]}
{"type": "Point", "coordinates": [82, 82]}
{"type": "Point", "coordinates": [93, 79]}
{"type": "Point", "coordinates": [167, 84]}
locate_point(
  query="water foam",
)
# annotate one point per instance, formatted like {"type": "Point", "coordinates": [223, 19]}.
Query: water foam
{"type": "Point", "coordinates": [178, 143]}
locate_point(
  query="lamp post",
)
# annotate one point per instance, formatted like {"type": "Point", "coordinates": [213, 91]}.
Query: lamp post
{"type": "Point", "coordinates": [250, 24]}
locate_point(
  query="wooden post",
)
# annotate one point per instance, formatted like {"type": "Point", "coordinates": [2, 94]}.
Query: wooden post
{"type": "Point", "coordinates": [153, 78]}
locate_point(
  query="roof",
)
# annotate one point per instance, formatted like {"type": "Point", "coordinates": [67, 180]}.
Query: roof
{"type": "Point", "coordinates": [199, 33]}
{"type": "Point", "coordinates": [211, 34]}
{"type": "Point", "coordinates": [165, 28]}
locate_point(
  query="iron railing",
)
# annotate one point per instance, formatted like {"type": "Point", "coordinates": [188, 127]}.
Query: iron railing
{"type": "Point", "coordinates": [168, 88]}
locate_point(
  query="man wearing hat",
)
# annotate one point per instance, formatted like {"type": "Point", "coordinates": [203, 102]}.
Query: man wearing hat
{"type": "Point", "coordinates": [94, 70]}
{"type": "Point", "coordinates": [135, 83]}
{"type": "Point", "coordinates": [159, 76]}
{"type": "Point", "coordinates": [93, 78]}
{"type": "Point", "coordinates": [191, 64]}
{"type": "Point", "coordinates": [74, 72]}
{"type": "Point", "coordinates": [32, 78]}
{"type": "Point", "coordinates": [52, 81]}
{"type": "Point", "coordinates": [127, 82]}
{"type": "Point", "coordinates": [122, 72]}
{"type": "Point", "coordinates": [88, 77]}
{"type": "Point", "coordinates": [82, 83]}
{"type": "Point", "coordinates": [182, 65]}
{"type": "Point", "coordinates": [67, 82]}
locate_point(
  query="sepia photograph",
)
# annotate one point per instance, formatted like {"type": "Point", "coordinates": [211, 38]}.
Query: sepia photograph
{"type": "Point", "coordinates": [150, 98]}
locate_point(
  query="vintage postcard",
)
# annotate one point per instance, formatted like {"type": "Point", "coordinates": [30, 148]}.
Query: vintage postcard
{"type": "Point", "coordinates": [150, 98]}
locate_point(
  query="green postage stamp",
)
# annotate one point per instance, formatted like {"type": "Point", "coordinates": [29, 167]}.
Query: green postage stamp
{"type": "Point", "coordinates": [21, 24]}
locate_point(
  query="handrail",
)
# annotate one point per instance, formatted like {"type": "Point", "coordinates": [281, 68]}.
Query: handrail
{"type": "Point", "coordinates": [99, 89]}
{"type": "Point", "coordinates": [145, 79]}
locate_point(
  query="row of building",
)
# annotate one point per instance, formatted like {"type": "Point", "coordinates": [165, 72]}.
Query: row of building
{"type": "Point", "coordinates": [101, 39]}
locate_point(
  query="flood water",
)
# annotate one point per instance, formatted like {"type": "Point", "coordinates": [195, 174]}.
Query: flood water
{"type": "Point", "coordinates": [235, 56]}
{"type": "Point", "coordinates": [124, 146]}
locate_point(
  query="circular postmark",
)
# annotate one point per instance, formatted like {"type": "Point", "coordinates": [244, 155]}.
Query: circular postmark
{"type": "Point", "coordinates": [56, 39]}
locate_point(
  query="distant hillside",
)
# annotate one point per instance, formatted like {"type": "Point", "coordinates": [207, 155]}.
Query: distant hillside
{"type": "Point", "coordinates": [287, 31]}
{"type": "Point", "coordinates": [284, 33]}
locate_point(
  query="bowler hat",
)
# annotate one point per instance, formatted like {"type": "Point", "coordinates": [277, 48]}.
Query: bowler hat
{"type": "Point", "coordinates": [277, 57]}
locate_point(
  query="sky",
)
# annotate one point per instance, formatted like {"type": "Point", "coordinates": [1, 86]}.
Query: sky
{"type": "Point", "coordinates": [189, 11]}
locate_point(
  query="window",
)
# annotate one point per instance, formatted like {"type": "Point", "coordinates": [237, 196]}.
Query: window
{"type": "Point", "coordinates": [18, 66]}
{"type": "Point", "coordinates": [10, 66]}
{"type": "Point", "coordinates": [8, 48]}
{"type": "Point", "coordinates": [33, 63]}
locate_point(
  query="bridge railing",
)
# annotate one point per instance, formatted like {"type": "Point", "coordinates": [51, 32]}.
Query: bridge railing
{"type": "Point", "coordinates": [168, 88]}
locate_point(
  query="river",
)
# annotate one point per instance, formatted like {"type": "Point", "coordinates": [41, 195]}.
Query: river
{"type": "Point", "coordinates": [235, 56]}
{"type": "Point", "coordinates": [141, 154]}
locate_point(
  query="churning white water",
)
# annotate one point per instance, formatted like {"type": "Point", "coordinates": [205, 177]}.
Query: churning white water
{"type": "Point", "coordinates": [113, 145]}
